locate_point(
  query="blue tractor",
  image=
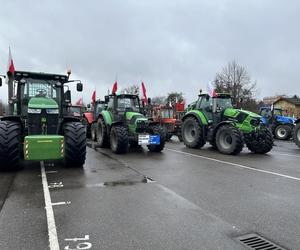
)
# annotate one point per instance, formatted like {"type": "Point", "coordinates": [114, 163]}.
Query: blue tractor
{"type": "Point", "coordinates": [281, 126]}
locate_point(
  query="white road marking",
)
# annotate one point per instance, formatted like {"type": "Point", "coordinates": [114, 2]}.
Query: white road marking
{"type": "Point", "coordinates": [52, 233]}
{"type": "Point", "coordinates": [51, 172]}
{"type": "Point", "coordinates": [290, 155]}
{"type": "Point", "coordinates": [235, 164]}
{"type": "Point", "coordinates": [61, 203]}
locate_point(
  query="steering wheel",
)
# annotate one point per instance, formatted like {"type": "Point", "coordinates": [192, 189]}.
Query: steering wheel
{"type": "Point", "coordinates": [41, 93]}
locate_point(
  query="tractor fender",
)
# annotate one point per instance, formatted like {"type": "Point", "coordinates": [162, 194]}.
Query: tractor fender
{"type": "Point", "coordinates": [88, 116]}
{"type": "Point", "coordinates": [221, 124]}
{"type": "Point", "coordinates": [196, 114]}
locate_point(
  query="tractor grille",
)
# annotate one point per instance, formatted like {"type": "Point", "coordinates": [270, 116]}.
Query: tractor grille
{"type": "Point", "coordinates": [35, 125]}
{"type": "Point", "coordinates": [142, 126]}
{"type": "Point", "coordinates": [169, 127]}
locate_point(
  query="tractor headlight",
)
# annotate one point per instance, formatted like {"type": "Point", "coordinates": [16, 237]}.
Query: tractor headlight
{"type": "Point", "coordinates": [52, 111]}
{"type": "Point", "coordinates": [34, 111]}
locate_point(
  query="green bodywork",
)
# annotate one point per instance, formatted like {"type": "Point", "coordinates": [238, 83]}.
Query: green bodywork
{"type": "Point", "coordinates": [231, 114]}
{"type": "Point", "coordinates": [132, 126]}
{"type": "Point", "coordinates": [44, 147]}
{"type": "Point", "coordinates": [42, 103]}
{"type": "Point", "coordinates": [107, 116]}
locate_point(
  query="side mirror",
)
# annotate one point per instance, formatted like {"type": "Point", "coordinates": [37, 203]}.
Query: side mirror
{"type": "Point", "coordinates": [106, 99]}
{"type": "Point", "coordinates": [0, 81]}
{"type": "Point", "coordinates": [67, 96]}
{"type": "Point", "coordinates": [79, 87]}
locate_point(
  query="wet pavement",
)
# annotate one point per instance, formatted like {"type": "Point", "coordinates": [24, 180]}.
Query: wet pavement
{"type": "Point", "coordinates": [178, 199]}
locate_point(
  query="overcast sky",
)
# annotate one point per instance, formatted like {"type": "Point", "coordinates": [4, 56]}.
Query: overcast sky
{"type": "Point", "coordinates": [170, 45]}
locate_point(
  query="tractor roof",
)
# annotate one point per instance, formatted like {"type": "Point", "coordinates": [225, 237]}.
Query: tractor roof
{"type": "Point", "coordinates": [40, 75]}
{"type": "Point", "coordinates": [126, 96]}
{"type": "Point", "coordinates": [218, 95]}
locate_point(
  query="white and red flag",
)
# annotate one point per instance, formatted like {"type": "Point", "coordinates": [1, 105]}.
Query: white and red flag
{"type": "Point", "coordinates": [114, 88]}
{"type": "Point", "coordinates": [93, 97]}
{"type": "Point", "coordinates": [10, 64]}
{"type": "Point", "coordinates": [211, 90]}
{"type": "Point", "coordinates": [79, 102]}
{"type": "Point", "coordinates": [145, 99]}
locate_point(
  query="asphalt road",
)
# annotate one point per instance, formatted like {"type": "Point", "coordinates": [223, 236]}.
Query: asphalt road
{"type": "Point", "coordinates": [178, 199]}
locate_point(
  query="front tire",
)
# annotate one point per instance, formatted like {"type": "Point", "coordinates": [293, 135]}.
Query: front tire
{"type": "Point", "coordinates": [229, 140]}
{"type": "Point", "coordinates": [192, 134]}
{"type": "Point", "coordinates": [10, 149]}
{"type": "Point", "coordinates": [101, 132]}
{"type": "Point", "coordinates": [75, 144]}
{"type": "Point", "coordinates": [157, 130]}
{"type": "Point", "coordinates": [263, 143]}
{"type": "Point", "coordinates": [297, 135]}
{"type": "Point", "coordinates": [93, 132]}
{"type": "Point", "coordinates": [283, 132]}
{"type": "Point", "coordinates": [119, 139]}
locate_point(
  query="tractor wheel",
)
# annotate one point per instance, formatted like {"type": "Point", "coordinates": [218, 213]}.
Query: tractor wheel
{"type": "Point", "coordinates": [179, 135]}
{"type": "Point", "coordinates": [10, 145]}
{"type": "Point", "coordinates": [263, 144]}
{"type": "Point", "coordinates": [101, 132]}
{"type": "Point", "coordinates": [283, 132]}
{"type": "Point", "coordinates": [213, 144]}
{"type": "Point", "coordinates": [119, 139]}
{"type": "Point", "coordinates": [75, 144]}
{"type": "Point", "coordinates": [192, 133]}
{"type": "Point", "coordinates": [157, 130]}
{"type": "Point", "coordinates": [87, 127]}
{"type": "Point", "coordinates": [229, 140]}
{"type": "Point", "coordinates": [297, 135]}
{"type": "Point", "coordinates": [93, 132]}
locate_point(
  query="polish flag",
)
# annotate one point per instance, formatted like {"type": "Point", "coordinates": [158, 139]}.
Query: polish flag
{"type": "Point", "coordinates": [114, 88]}
{"type": "Point", "coordinates": [211, 90]}
{"type": "Point", "coordinates": [79, 102]}
{"type": "Point", "coordinates": [93, 97]}
{"type": "Point", "coordinates": [10, 64]}
{"type": "Point", "coordinates": [145, 99]}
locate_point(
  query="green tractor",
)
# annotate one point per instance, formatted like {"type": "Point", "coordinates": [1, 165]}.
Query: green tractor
{"type": "Point", "coordinates": [214, 120]}
{"type": "Point", "coordinates": [122, 124]}
{"type": "Point", "coordinates": [37, 126]}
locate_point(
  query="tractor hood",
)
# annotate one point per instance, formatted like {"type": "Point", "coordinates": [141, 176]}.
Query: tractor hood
{"type": "Point", "coordinates": [231, 112]}
{"type": "Point", "coordinates": [42, 103]}
{"type": "Point", "coordinates": [285, 119]}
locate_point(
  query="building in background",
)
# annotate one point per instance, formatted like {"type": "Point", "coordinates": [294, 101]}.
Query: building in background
{"type": "Point", "coordinates": [290, 104]}
{"type": "Point", "coordinates": [269, 100]}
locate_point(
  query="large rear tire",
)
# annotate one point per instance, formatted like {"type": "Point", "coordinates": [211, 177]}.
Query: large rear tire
{"type": "Point", "coordinates": [75, 144]}
{"type": "Point", "coordinates": [229, 140]}
{"type": "Point", "coordinates": [119, 139]}
{"type": "Point", "coordinates": [102, 135]}
{"type": "Point", "coordinates": [263, 143]}
{"type": "Point", "coordinates": [297, 135]}
{"type": "Point", "coordinates": [93, 132]}
{"type": "Point", "coordinates": [283, 132]}
{"type": "Point", "coordinates": [10, 145]}
{"type": "Point", "coordinates": [157, 130]}
{"type": "Point", "coordinates": [192, 134]}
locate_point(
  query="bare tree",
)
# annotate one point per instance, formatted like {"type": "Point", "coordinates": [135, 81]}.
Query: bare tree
{"type": "Point", "coordinates": [158, 100]}
{"type": "Point", "coordinates": [132, 89]}
{"type": "Point", "coordinates": [235, 79]}
{"type": "Point", "coordinates": [174, 97]}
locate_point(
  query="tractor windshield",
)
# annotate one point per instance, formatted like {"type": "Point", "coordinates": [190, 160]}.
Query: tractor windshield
{"type": "Point", "coordinates": [128, 104]}
{"type": "Point", "coordinates": [167, 113]}
{"type": "Point", "coordinates": [222, 103]}
{"type": "Point", "coordinates": [38, 88]}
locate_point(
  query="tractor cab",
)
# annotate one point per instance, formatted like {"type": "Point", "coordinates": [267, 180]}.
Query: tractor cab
{"type": "Point", "coordinates": [214, 107]}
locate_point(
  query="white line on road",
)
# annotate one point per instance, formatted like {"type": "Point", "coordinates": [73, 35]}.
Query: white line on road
{"type": "Point", "coordinates": [52, 233]}
{"type": "Point", "coordinates": [290, 155]}
{"type": "Point", "coordinates": [235, 164]}
{"type": "Point", "coordinates": [61, 203]}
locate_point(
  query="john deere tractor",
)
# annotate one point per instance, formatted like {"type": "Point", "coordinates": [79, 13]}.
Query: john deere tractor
{"type": "Point", "coordinates": [122, 124]}
{"type": "Point", "coordinates": [214, 120]}
{"type": "Point", "coordinates": [37, 126]}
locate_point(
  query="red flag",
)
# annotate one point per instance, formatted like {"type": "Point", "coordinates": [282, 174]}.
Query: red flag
{"type": "Point", "coordinates": [10, 64]}
{"type": "Point", "coordinates": [211, 90]}
{"type": "Point", "coordinates": [114, 88]}
{"type": "Point", "coordinates": [79, 102]}
{"type": "Point", "coordinates": [144, 93]}
{"type": "Point", "coordinates": [94, 96]}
